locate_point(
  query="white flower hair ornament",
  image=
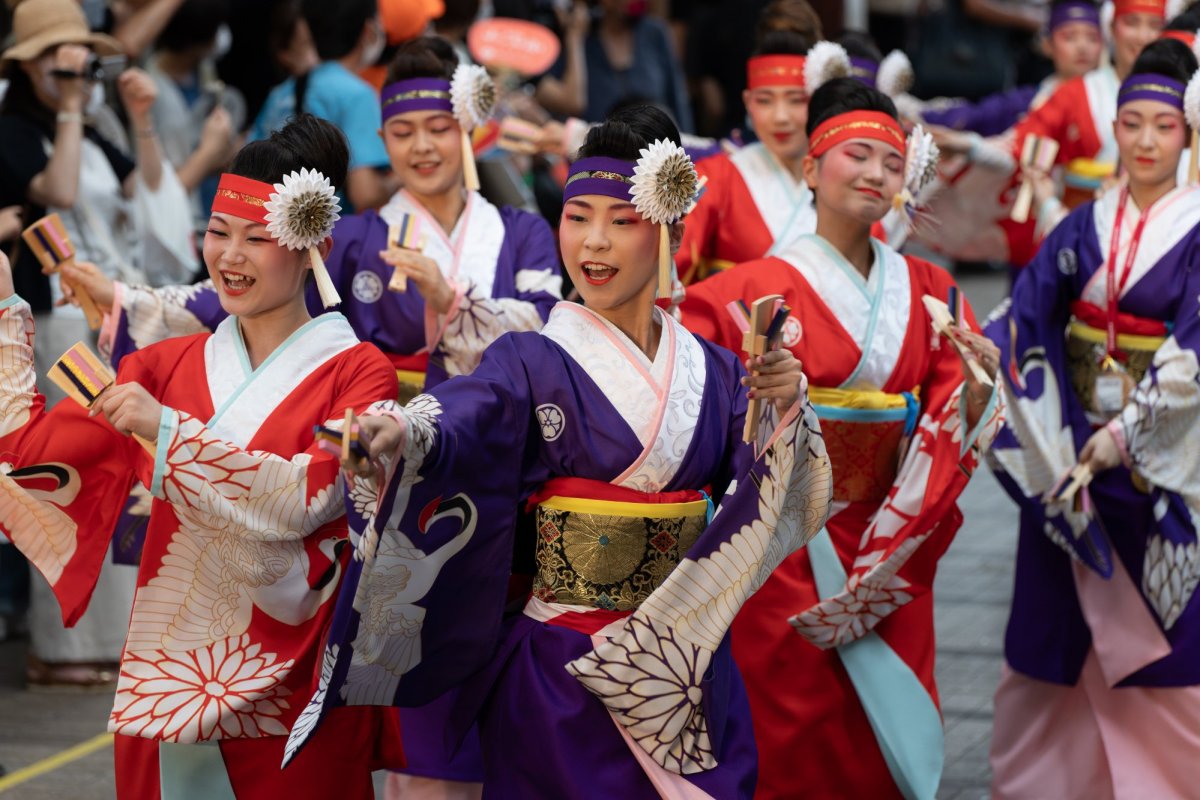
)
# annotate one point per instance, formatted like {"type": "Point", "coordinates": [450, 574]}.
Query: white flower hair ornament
{"type": "Point", "coordinates": [300, 215]}
{"type": "Point", "coordinates": [920, 168]}
{"type": "Point", "coordinates": [664, 185]}
{"type": "Point", "coordinates": [895, 75]}
{"type": "Point", "coordinates": [824, 62]}
{"type": "Point", "coordinates": [1191, 114]}
{"type": "Point", "coordinates": [1174, 8]}
{"type": "Point", "coordinates": [473, 97]}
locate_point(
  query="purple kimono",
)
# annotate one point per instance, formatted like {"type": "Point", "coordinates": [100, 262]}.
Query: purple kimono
{"type": "Point", "coordinates": [502, 262]}
{"type": "Point", "coordinates": [637, 701]}
{"type": "Point", "coordinates": [1143, 534]}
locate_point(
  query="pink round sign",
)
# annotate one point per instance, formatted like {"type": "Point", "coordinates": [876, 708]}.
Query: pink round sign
{"type": "Point", "coordinates": [513, 44]}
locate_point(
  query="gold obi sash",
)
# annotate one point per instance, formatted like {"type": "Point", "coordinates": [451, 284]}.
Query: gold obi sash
{"type": "Point", "coordinates": [1085, 352]}
{"type": "Point", "coordinates": [1082, 177]}
{"type": "Point", "coordinates": [610, 554]}
{"type": "Point", "coordinates": [412, 383]}
{"type": "Point", "coordinates": [864, 432]}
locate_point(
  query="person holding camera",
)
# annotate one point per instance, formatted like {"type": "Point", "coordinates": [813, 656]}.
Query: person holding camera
{"type": "Point", "coordinates": [51, 159]}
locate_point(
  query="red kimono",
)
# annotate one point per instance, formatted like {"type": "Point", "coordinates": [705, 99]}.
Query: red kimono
{"type": "Point", "coordinates": [243, 555]}
{"type": "Point", "coordinates": [814, 642]}
{"type": "Point", "coordinates": [750, 201]}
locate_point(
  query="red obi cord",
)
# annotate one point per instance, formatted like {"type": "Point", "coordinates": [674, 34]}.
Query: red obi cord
{"type": "Point", "coordinates": [856, 125]}
{"type": "Point", "coordinates": [242, 197]}
{"type": "Point", "coordinates": [775, 70]}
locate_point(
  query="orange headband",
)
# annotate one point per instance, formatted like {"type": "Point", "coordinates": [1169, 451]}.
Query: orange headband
{"type": "Point", "coordinates": [242, 197]}
{"type": "Point", "coordinates": [1156, 7]}
{"type": "Point", "coordinates": [775, 70]}
{"type": "Point", "coordinates": [856, 125]}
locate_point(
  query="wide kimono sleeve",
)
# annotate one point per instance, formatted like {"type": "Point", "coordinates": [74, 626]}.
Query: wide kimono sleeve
{"type": "Point", "coordinates": [1060, 118]}
{"type": "Point", "coordinates": [476, 319]}
{"type": "Point", "coordinates": [704, 308]}
{"type": "Point", "coordinates": [421, 603]}
{"type": "Point", "coordinates": [264, 493]}
{"type": "Point", "coordinates": [143, 315]}
{"type": "Point", "coordinates": [1160, 429]}
{"type": "Point", "coordinates": [1045, 425]}
{"type": "Point", "coordinates": [896, 558]}
{"type": "Point", "coordinates": [991, 116]}
{"type": "Point", "coordinates": [64, 475]}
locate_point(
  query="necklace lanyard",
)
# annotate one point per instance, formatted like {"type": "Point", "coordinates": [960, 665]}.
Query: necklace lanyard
{"type": "Point", "coordinates": [1115, 288]}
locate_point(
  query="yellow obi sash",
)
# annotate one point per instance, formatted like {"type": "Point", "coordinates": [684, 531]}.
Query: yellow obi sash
{"type": "Point", "coordinates": [1082, 177]}
{"type": "Point", "coordinates": [610, 554]}
{"type": "Point", "coordinates": [863, 432]}
{"type": "Point", "coordinates": [412, 383]}
{"type": "Point", "coordinates": [1085, 351]}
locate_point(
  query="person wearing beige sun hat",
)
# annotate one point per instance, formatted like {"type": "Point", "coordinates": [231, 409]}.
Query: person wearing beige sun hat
{"type": "Point", "coordinates": [53, 160]}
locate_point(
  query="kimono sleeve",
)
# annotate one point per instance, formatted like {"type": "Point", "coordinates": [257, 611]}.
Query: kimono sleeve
{"type": "Point", "coordinates": [196, 469]}
{"type": "Point", "coordinates": [65, 475]}
{"type": "Point", "coordinates": [142, 315]}
{"type": "Point", "coordinates": [703, 310]}
{"type": "Point", "coordinates": [1160, 428]}
{"type": "Point", "coordinates": [897, 555]}
{"type": "Point", "coordinates": [475, 319]}
{"type": "Point", "coordinates": [420, 606]}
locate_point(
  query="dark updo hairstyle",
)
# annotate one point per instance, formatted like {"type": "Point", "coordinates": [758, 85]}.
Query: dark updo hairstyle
{"type": "Point", "coordinates": [846, 94]}
{"type": "Point", "coordinates": [305, 142]}
{"type": "Point", "coordinates": [1169, 57]}
{"type": "Point", "coordinates": [423, 57]}
{"type": "Point", "coordinates": [860, 45]}
{"type": "Point", "coordinates": [1187, 20]}
{"type": "Point", "coordinates": [786, 27]}
{"type": "Point", "coordinates": [627, 131]}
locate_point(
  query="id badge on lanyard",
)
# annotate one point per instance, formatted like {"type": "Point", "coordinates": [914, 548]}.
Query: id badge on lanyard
{"type": "Point", "coordinates": [1114, 384]}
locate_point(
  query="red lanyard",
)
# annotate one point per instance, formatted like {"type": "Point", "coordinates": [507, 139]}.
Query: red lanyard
{"type": "Point", "coordinates": [1115, 289]}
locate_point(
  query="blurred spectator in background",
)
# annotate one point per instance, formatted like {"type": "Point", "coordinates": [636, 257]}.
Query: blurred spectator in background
{"type": "Point", "coordinates": [613, 52]}
{"type": "Point", "coordinates": [51, 160]}
{"type": "Point", "coordinates": [348, 36]}
{"type": "Point", "coordinates": [196, 115]}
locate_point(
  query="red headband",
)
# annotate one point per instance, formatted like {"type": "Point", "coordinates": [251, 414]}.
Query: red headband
{"type": "Point", "coordinates": [1187, 37]}
{"type": "Point", "coordinates": [242, 197]}
{"type": "Point", "coordinates": [1156, 7]}
{"type": "Point", "coordinates": [775, 70]}
{"type": "Point", "coordinates": [856, 125]}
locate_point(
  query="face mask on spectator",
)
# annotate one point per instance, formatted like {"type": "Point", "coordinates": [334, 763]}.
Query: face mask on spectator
{"type": "Point", "coordinates": [374, 47]}
{"type": "Point", "coordinates": [95, 99]}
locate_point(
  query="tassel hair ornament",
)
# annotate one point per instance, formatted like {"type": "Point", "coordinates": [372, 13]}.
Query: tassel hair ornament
{"type": "Point", "coordinates": [300, 215]}
{"type": "Point", "coordinates": [473, 97]}
{"type": "Point", "coordinates": [663, 187]}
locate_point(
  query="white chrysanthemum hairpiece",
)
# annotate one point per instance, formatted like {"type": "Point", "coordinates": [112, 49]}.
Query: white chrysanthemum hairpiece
{"type": "Point", "coordinates": [1191, 102]}
{"type": "Point", "coordinates": [300, 215]}
{"type": "Point", "coordinates": [1107, 11]}
{"type": "Point", "coordinates": [895, 75]}
{"type": "Point", "coordinates": [664, 184]}
{"type": "Point", "coordinates": [1174, 8]}
{"type": "Point", "coordinates": [920, 168]}
{"type": "Point", "coordinates": [472, 95]}
{"type": "Point", "coordinates": [1191, 114]}
{"type": "Point", "coordinates": [824, 62]}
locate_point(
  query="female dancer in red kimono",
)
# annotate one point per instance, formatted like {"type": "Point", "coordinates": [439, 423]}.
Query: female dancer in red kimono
{"type": "Point", "coordinates": [838, 646]}
{"type": "Point", "coordinates": [246, 541]}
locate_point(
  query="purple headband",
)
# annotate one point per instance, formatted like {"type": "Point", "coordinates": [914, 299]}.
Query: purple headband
{"type": "Point", "coordinates": [864, 70]}
{"type": "Point", "coordinates": [610, 177]}
{"type": "Point", "coordinates": [1149, 86]}
{"type": "Point", "coordinates": [1073, 12]}
{"type": "Point", "coordinates": [416, 94]}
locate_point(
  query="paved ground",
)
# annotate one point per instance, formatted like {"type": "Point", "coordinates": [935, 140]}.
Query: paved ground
{"type": "Point", "coordinates": [972, 595]}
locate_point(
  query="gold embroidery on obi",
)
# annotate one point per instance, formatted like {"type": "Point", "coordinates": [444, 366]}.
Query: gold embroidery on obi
{"type": "Point", "coordinates": [609, 561]}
